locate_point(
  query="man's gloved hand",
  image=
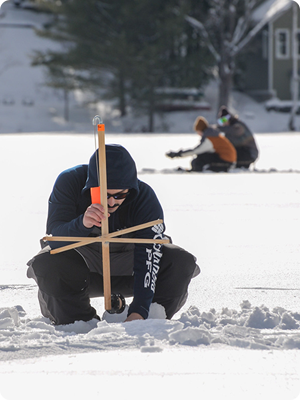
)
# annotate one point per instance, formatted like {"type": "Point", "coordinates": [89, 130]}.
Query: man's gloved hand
{"type": "Point", "coordinates": [173, 154]}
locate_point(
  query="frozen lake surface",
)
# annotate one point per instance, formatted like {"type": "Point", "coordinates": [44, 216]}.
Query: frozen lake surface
{"type": "Point", "coordinates": [238, 334]}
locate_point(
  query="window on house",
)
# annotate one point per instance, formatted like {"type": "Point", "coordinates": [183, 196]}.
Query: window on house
{"type": "Point", "coordinates": [265, 41]}
{"type": "Point", "coordinates": [282, 43]}
{"type": "Point", "coordinates": [298, 43]}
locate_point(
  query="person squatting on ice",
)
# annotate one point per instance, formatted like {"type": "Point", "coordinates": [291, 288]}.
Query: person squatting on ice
{"type": "Point", "coordinates": [214, 153]}
{"type": "Point", "coordinates": [240, 136]}
{"type": "Point", "coordinates": [147, 272]}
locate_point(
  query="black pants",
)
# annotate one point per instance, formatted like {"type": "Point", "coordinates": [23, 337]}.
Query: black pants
{"type": "Point", "coordinates": [212, 161]}
{"type": "Point", "coordinates": [66, 284]}
{"type": "Point", "coordinates": [244, 158]}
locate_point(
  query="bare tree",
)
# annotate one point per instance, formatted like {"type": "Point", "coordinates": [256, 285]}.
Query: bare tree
{"type": "Point", "coordinates": [226, 31]}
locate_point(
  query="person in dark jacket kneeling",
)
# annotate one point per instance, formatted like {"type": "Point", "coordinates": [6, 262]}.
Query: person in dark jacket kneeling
{"type": "Point", "coordinates": [214, 153]}
{"type": "Point", "coordinates": [147, 272]}
{"type": "Point", "coordinates": [240, 136]}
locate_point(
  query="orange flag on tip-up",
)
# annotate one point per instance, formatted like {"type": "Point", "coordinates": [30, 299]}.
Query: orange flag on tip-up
{"type": "Point", "coordinates": [95, 195]}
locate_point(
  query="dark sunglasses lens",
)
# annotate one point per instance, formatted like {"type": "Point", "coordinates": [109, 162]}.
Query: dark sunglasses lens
{"type": "Point", "coordinates": [118, 196]}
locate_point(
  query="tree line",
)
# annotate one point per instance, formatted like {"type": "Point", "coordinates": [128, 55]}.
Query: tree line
{"type": "Point", "coordinates": [125, 50]}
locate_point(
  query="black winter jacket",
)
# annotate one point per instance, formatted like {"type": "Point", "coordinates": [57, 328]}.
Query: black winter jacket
{"type": "Point", "coordinates": [240, 136]}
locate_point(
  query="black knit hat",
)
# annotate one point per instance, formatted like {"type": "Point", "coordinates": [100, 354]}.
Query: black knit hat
{"type": "Point", "coordinates": [223, 112]}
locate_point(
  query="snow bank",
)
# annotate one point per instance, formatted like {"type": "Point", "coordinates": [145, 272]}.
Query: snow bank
{"type": "Point", "coordinates": [250, 327]}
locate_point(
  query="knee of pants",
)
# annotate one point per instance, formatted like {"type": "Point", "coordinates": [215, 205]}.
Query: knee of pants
{"type": "Point", "coordinates": [61, 274]}
{"type": "Point", "coordinates": [196, 165]}
{"type": "Point", "coordinates": [181, 261]}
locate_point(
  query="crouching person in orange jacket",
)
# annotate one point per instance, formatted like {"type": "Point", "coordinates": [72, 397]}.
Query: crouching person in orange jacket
{"type": "Point", "coordinates": [214, 153]}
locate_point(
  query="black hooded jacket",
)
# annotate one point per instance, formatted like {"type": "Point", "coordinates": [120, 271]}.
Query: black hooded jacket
{"type": "Point", "coordinates": [241, 137]}
{"type": "Point", "coordinates": [71, 197]}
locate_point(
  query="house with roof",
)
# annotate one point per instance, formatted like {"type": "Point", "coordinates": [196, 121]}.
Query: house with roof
{"type": "Point", "coordinates": [267, 63]}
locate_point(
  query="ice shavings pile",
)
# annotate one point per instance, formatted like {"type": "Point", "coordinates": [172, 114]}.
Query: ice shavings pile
{"type": "Point", "coordinates": [251, 327]}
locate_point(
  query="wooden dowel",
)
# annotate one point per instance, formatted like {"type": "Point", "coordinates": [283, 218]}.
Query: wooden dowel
{"type": "Point", "coordinates": [110, 240]}
{"type": "Point", "coordinates": [106, 276]}
{"type": "Point", "coordinates": [104, 223]}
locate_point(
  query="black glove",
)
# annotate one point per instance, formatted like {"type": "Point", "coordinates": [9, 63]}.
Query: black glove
{"type": "Point", "coordinates": [173, 154]}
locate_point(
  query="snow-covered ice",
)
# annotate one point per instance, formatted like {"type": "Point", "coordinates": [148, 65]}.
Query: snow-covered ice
{"type": "Point", "coordinates": [237, 337]}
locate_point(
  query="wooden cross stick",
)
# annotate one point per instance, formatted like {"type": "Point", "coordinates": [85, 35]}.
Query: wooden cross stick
{"type": "Point", "coordinates": [83, 241]}
{"type": "Point", "coordinates": [106, 237]}
{"type": "Point", "coordinates": [101, 239]}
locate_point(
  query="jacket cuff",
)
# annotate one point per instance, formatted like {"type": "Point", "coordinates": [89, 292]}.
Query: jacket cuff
{"type": "Point", "coordinates": [134, 308]}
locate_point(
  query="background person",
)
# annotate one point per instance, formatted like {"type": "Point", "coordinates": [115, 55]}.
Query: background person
{"type": "Point", "coordinates": [240, 136]}
{"type": "Point", "coordinates": [214, 153]}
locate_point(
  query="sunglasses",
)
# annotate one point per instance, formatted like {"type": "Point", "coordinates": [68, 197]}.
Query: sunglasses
{"type": "Point", "coordinates": [95, 195]}
{"type": "Point", "coordinates": [118, 196]}
{"type": "Point", "coordinates": [222, 121]}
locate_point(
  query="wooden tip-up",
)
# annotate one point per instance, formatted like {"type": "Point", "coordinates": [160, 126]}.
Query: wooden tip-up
{"type": "Point", "coordinates": [106, 236]}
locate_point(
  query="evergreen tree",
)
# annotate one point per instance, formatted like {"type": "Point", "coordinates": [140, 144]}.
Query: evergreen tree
{"type": "Point", "coordinates": [94, 44]}
{"type": "Point", "coordinates": [127, 48]}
